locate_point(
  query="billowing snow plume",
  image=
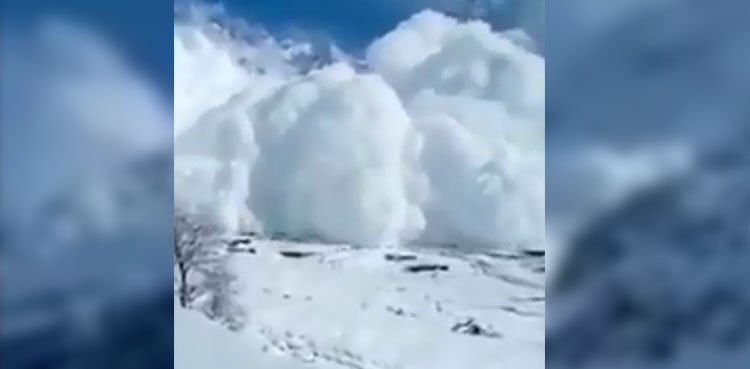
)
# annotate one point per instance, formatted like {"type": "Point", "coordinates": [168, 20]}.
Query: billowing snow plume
{"type": "Point", "coordinates": [440, 139]}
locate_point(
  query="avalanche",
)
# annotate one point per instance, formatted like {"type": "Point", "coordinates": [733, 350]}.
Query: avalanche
{"type": "Point", "coordinates": [439, 137]}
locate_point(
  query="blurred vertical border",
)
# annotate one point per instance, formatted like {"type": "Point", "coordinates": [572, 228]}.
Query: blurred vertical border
{"type": "Point", "coordinates": [648, 173]}
{"type": "Point", "coordinates": [86, 190]}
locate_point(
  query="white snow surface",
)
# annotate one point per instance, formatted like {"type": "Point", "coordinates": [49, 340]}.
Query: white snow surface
{"type": "Point", "coordinates": [441, 138]}
{"type": "Point", "coordinates": [201, 344]}
{"type": "Point", "coordinates": [347, 307]}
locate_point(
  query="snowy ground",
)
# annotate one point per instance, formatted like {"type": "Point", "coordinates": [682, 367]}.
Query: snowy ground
{"type": "Point", "coordinates": [344, 307]}
{"type": "Point", "coordinates": [202, 344]}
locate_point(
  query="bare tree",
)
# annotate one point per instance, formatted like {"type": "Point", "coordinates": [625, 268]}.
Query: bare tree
{"type": "Point", "coordinates": [203, 281]}
{"type": "Point", "coordinates": [193, 250]}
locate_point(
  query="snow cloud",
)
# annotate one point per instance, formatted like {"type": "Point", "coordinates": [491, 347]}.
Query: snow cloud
{"type": "Point", "coordinates": [438, 135]}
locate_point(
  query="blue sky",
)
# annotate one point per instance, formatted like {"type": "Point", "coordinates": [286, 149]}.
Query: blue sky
{"type": "Point", "coordinates": [351, 23]}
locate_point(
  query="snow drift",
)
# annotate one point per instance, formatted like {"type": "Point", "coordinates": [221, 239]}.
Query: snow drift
{"type": "Point", "coordinates": [439, 138]}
